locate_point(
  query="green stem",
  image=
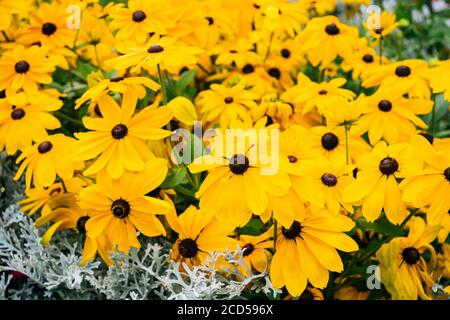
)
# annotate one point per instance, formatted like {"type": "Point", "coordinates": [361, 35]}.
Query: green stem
{"type": "Point", "coordinates": [163, 86]}
{"type": "Point", "coordinates": [64, 116]}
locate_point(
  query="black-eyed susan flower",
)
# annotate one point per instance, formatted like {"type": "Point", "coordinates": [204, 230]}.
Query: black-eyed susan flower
{"type": "Point", "coordinates": [380, 25]}
{"type": "Point", "coordinates": [404, 272]}
{"type": "Point", "coordinates": [408, 76]}
{"type": "Point", "coordinates": [376, 182]}
{"type": "Point", "coordinates": [326, 38]}
{"type": "Point", "coordinates": [388, 115]}
{"type": "Point", "coordinates": [22, 123]}
{"type": "Point", "coordinates": [199, 235]}
{"type": "Point", "coordinates": [324, 96]}
{"type": "Point", "coordinates": [239, 52]}
{"type": "Point", "coordinates": [222, 104]}
{"type": "Point", "coordinates": [48, 158]}
{"type": "Point", "coordinates": [163, 51]}
{"type": "Point", "coordinates": [331, 141]}
{"type": "Point", "coordinates": [272, 106]}
{"type": "Point", "coordinates": [118, 136]}
{"type": "Point", "coordinates": [332, 176]}
{"type": "Point", "coordinates": [49, 26]}
{"type": "Point", "coordinates": [255, 251]}
{"type": "Point", "coordinates": [141, 18]}
{"type": "Point", "coordinates": [306, 251]}
{"type": "Point", "coordinates": [25, 68]}
{"type": "Point", "coordinates": [239, 181]}
{"type": "Point", "coordinates": [40, 198]}
{"type": "Point", "coordinates": [430, 186]}
{"type": "Point", "coordinates": [120, 206]}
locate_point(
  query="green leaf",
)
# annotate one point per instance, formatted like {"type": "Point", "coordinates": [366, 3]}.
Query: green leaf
{"type": "Point", "coordinates": [175, 177]}
{"type": "Point", "coordinates": [381, 225]}
{"type": "Point", "coordinates": [254, 227]}
{"type": "Point", "coordinates": [186, 78]}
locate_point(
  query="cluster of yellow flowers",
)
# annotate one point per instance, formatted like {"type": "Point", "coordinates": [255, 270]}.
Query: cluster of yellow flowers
{"type": "Point", "coordinates": [353, 145]}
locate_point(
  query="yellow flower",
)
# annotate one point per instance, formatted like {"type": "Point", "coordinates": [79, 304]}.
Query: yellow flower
{"type": "Point", "coordinates": [307, 250]}
{"type": "Point", "coordinates": [387, 114]}
{"type": "Point", "coordinates": [254, 251]}
{"type": "Point", "coordinates": [439, 78]}
{"type": "Point", "coordinates": [430, 186]}
{"type": "Point", "coordinates": [49, 26]}
{"type": "Point", "coordinates": [47, 158]}
{"type": "Point", "coordinates": [24, 68]}
{"type": "Point", "coordinates": [380, 25]}
{"type": "Point", "coordinates": [101, 86]}
{"type": "Point", "coordinates": [280, 16]}
{"type": "Point", "coordinates": [274, 108]}
{"type": "Point", "coordinates": [225, 104]}
{"type": "Point", "coordinates": [404, 272]}
{"type": "Point", "coordinates": [140, 18]}
{"type": "Point", "coordinates": [376, 181]}
{"type": "Point", "coordinates": [331, 142]}
{"type": "Point", "coordinates": [326, 38]}
{"type": "Point", "coordinates": [157, 51]}
{"type": "Point", "coordinates": [199, 235]}
{"type": "Point", "coordinates": [40, 198]}
{"type": "Point", "coordinates": [237, 184]}
{"type": "Point", "coordinates": [332, 176]}
{"type": "Point", "coordinates": [240, 52]}
{"type": "Point", "coordinates": [26, 120]}
{"type": "Point", "coordinates": [118, 137]}
{"type": "Point", "coordinates": [407, 76]}
{"type": "Point", "coordinates": [119, 206]}
{"type": "Point", "coordinates": [324, 96]}
{"type": "Point", "coordinates": [9, 8]}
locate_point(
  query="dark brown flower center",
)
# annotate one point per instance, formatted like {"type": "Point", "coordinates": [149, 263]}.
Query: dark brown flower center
{"type": "Point", "coordinates": [120, 208]}
{"type": "Point", "coordinates": [210, 20]}
{"type": "Point", "coordinates": [81, 224]}
{"type": "Point", "coordinates": [116, 79]}
{"type": "Point", "coordinates": [388, 166]}
{"type": "Point", "coordinates": [45, 147]}
{"type": "Point", "coordinates": [427, 136]}
{"type": "Point", "coordinates": [323, 92]}
{"type": "Point", "coordinates": [403, 71]}
{"type": "Point", "coordinates": [274, 73]}
{"type": "Point", "coordinates": [228, 100]}
{"type": "Point", "coordinates": [155, 48]}
{"type": "Point", "coordinates": [292, 159]}
{"type": "Point", "coordinates": [368, 58]}
{"type": "Point", "coordinates": [447, 174]}
{"type": "Point", "coordinates": [119, 131]}
{"type": "Point", "coordinates": [330, 141]}
{"type": "Point", "coordinates": [329, 179]}
{"type": "Point", "coordinates": [48, 28]}
{"type": "Point", "coordinates": [17, 114]}
{"type": "Point", "coordinates": [239, 164]}
{"type": "Point", "coordinates": [285, 53]}
{"type": "Point", "coordinates": [332, 29]}
{"type": "Point", "coordinates": [410, 255]}
{"type": "Point", "coordinates": [247, 249]}
{"type": "Point", "coordinates": [293, 231]}
{"type": "Point", "coordinates": [139, 16]}
{"type": "Point", "coordinates": [248, 68]}
{"type": "Point", "coordinates": [378, 30]}
{"type": "Point", "coordinates": [188, 248]}
{"type": "Point", "coordinates": [385, 105]}
{"type": "Point", "coordinates": [22, 66]}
